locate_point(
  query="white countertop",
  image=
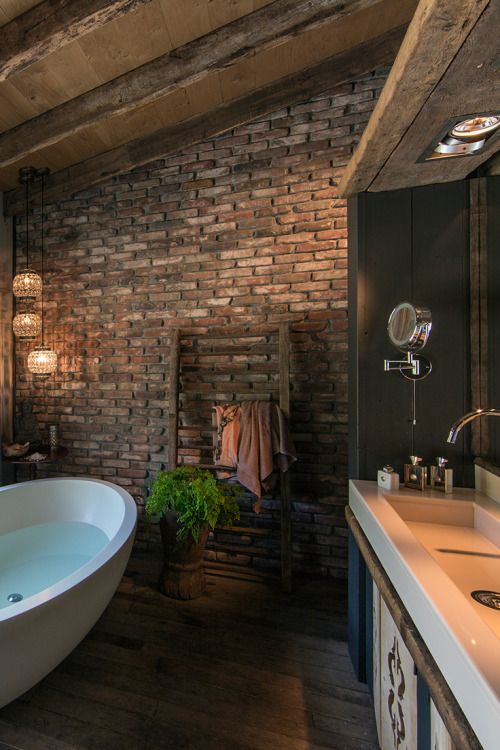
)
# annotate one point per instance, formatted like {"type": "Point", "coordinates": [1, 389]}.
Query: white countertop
{"type": "Point", "coordinates": [432, 582]}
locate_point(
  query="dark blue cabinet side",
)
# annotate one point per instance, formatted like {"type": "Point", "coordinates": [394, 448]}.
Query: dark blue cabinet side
{"type": "Point", "coordinates": [356, 616]}
{"type": "Point", "coordinates": [360, 614]}
{"type": "Point", "coordinates": [423, 715]}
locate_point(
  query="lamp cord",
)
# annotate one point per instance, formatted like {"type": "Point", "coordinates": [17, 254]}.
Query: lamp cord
{"type": "Point", "coordinates": [41, 263]}
{"type": "Point", "coordinates": [26, 190]}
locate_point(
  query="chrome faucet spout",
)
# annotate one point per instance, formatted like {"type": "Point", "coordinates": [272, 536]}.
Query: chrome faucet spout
{"type": "Point", "coordinates": [469, 417]}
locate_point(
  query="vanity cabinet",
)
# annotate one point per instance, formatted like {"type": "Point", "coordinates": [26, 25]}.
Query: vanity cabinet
{"type": "Point", "coordinates": [405, 714]}
{"type": "Point", "coordinates": [394, 682]}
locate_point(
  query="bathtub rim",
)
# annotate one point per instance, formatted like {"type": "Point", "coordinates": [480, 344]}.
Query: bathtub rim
{"type": "Point", "coordinates": [115, 544]}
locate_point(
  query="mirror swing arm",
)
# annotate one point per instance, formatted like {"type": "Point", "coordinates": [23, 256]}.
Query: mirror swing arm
{"type": "Point", "coordinates": [414, 367]}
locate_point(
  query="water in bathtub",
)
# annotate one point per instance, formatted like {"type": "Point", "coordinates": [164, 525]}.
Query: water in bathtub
{"type": "Point", "coordinates": [36, 557]}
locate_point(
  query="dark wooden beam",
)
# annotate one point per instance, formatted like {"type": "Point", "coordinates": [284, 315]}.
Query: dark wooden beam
{"type": "Point", "coordinates": [435, 35]}
{"type": "Point", "coordinates": [492, 167]}
{"type": "Point", "coordinates": [264, 28]}
{"type": "Point", "coordinates": [52, 24]}
{"type": "Point", "coordinates": [332, 72]}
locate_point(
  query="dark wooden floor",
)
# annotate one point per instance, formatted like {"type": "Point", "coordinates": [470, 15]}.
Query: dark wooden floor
{"type": "Point", "coordinates": [245, 667]}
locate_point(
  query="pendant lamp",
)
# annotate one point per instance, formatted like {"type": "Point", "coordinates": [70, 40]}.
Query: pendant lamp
{"type": "Point", "coordinates": [42, 361]}
{"type": "Point", "coordinates": [27, 284]}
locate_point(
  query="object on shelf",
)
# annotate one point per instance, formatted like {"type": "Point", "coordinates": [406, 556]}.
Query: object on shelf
{"type": "Point", "coordinates": [415, 475]}
{"type": "Point", "coordinates": [15, 450]}
{"type": "Point", "coordinates": [37, 456]}
{"type": "Point", "coordinates": [387, 478]}
{"type": "Point", "coordinates": [26, 426]}
{"type": "Point", "coordinates": [53, 438]}
{"type": "Point", "coordinates": [441, 477]}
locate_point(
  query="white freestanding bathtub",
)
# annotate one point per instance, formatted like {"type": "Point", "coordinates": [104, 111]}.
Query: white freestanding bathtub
{"type": "Point", "coordinates": [64, 545]}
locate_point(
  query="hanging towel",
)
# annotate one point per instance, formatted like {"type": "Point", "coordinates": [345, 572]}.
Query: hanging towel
{"type": "Point", "coordinates": [258, 442]}
{"type": "Point", "coordinates": [228, 435]}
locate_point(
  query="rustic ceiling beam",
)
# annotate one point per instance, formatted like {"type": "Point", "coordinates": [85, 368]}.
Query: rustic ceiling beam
{"type": "Point", "coordinates": [492, 166]}
{"type": "Point", "coordinates": [434, 37]}
{"type": "Point", "coordinates": [52, 24]}
{"type": "Point", "coordinates": [332, 72]}
{"type": "Point", "coordinates": [243, 38]}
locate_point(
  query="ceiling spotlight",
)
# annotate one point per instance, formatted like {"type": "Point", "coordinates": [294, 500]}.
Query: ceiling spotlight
{"type": "Point", "coordinates": [465, 137]}
{"type": "Point", "coordinates": [475, 128]}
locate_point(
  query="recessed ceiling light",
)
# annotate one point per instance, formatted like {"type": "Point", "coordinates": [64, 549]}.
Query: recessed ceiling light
{"type": "Point", "coordinates": [463, 137]}
{"type": "Point", "coordinates": [475, 128]}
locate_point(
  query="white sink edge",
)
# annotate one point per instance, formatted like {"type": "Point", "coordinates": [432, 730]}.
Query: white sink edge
{"type": "Point", "coordinates": [473, 676]}
{"type": "Point", "coordinates": [487, 482]}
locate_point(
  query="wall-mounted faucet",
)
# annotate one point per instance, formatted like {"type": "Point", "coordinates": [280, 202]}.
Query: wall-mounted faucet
{"type": "Point", "coordinates": [469, 417]}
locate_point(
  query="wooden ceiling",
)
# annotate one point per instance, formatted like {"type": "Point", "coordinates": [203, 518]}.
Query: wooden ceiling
{"type": "Point", "coordinates": [94, 88]}
{"type": "Point", "coordinates": [447, 68]}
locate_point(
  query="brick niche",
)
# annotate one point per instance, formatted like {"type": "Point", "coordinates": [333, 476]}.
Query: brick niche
{"type": "Point", "coordinates": [246, 230]}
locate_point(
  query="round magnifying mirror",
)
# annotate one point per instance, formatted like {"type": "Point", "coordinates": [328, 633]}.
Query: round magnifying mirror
{"type": "Point", "coordinates": [409, 327]}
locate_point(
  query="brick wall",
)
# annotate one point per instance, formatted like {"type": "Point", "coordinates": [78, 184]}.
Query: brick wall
{"type": "Point", "coordinates": [247, 230]}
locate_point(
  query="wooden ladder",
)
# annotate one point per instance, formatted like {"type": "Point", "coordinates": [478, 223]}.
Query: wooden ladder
{"type": "Point", "coordinates": [284, 403]}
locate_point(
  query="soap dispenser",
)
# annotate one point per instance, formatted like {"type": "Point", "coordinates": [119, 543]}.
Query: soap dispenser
{"type": "Point", "coordinates": [441, 477]}
{"type": "Point", "coordinates": [415, 475]}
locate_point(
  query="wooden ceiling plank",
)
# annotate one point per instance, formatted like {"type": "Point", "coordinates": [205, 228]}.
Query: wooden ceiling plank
{"type": "Point", "coordinates": [50, 25]}
{"type": "Point", "coordinates": [334, 71]}
{"type": "Point", "coordinates": [120, 45]}
{"type": "Point", "coordinates": [315, 45]}
{"type": "Point", "coordinates": [10, 9]}
{"type": "Point", "coordinates": [435, 35]}
{"type": "Point", "coordinates": [264, 28]}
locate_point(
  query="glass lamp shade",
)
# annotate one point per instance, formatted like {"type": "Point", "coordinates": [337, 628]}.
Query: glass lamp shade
{"type": "Point", "coordinates": [27, 284]}
{"type": "Point", "coordinates": [42, 361]}
{"type": "Point", "coordinates": [27, 325]}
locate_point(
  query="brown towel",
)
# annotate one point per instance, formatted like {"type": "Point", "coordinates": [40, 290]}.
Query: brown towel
{"type": "Point", "coordinates": [264, 445]}
{"type": "Point", "coordinates": [228, 436]}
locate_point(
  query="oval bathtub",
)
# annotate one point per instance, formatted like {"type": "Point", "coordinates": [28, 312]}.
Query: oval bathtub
{"type": "Point", "coordinates": [64, 545]}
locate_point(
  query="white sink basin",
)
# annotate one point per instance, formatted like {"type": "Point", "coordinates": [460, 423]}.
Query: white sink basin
{"type": "Point", "coordinates": [437, 549]}
{"type": "Point", "coordinates": [463, 537]}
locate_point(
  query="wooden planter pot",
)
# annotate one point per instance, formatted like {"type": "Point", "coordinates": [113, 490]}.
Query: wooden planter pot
{"type": "Point", "coordinates": [182, 575]}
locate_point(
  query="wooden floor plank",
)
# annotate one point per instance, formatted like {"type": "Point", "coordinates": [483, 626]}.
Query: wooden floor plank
{"type": "Point", "coordinates": [245, 667]}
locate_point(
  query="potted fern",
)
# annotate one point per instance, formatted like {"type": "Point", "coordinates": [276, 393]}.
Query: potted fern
{"type": "Point", "coordinates": [189, 503]}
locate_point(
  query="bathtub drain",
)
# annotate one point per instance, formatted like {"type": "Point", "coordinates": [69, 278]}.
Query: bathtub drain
{"type": "Point", "coordinates": [14, 598]}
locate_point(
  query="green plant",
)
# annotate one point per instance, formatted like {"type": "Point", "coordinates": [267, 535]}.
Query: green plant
{"type": "Point", "coordinates": [198, 498]}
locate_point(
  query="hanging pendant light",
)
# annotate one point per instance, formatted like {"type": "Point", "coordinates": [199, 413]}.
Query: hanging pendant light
{"type": "Point", "coordinates": [42, 361]}
{"type": "Point", "coordinates": [27, 325]}
{"type": "Point", "coordinates": [27, 284]}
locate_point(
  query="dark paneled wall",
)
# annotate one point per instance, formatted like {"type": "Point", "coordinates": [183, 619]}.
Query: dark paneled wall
{"type": "Point", "coordinates": [408, 245]}
{"type": "Point", "coordinates": [493, 235]}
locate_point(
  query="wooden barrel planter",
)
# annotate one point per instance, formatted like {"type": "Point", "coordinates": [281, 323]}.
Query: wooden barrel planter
{"type": "Point", "coordinates": [182, 575]}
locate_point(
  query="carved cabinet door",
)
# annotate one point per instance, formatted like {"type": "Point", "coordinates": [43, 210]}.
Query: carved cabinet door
{"type": "Point", "coordinates": [440, 738]}
{"type": "Point", "coordinates": [398, 688]}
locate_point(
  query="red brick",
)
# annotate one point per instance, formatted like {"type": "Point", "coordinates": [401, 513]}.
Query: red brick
{"type": "Point", "coordinates": [244, 229]}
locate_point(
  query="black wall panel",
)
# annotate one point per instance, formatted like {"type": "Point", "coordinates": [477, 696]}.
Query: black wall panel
{"type": "Point", "coordinates": [408, 245]}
